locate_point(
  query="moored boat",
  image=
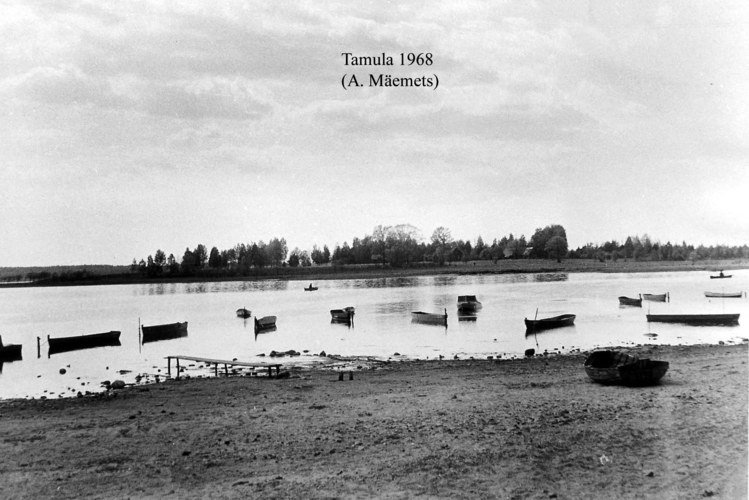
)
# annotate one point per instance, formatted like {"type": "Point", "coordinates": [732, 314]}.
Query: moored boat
{"type": "Point", "coordinates": [720, 276]}
{"type": "Point", "coordinates": [695, 319]}
{"type": "Point", "coordinates": [724, 295]}
{"type": "Point", "coordinates": [265, 323]}
{"type": "Point", "coordinates": [656, 297]}
{"type": "Point", "coordinates": [535, 325]}
{"type": "Point", "coordinates": [429, 318]}
{"type": "Point", "coordinates": [310, 288]}
{"type": "Point", "coordinates": [628, 301]}
{"type": "Point", "coordinates": [468, 304]}
{"type": "Point", "coordinates": [10, 352]}
{"type": "Point", "coordinates": [345, 315]}
{"type": "Point", "coordinates": [243, 313]}
{"type": "Point", "coordinates": [78, 342]}
{"type": "Point", "coordinates": [167, 331]}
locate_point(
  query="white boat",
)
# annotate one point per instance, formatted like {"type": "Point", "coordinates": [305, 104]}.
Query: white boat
{"type": "Point", "coordinates": [429, 318]}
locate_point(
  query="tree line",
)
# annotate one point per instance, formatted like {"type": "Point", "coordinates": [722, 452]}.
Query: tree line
{"type": "Point", "coordinates": [403, 246]}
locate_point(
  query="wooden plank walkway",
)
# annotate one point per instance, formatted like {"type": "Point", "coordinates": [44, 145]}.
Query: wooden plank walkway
{"type": "Point", "coordinates": [227, 363]}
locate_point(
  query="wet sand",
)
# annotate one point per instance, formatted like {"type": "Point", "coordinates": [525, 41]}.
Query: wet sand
{"type": "Point", "coordinates": [525, 428]}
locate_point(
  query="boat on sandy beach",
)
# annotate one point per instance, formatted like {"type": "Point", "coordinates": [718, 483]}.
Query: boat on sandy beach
{"type": "Point", "coordinates": [695, 319]}
{"type": "Point", "coordinates": [78, 342]}
{"type": "Point", "coordinates": [429, 318]}
{"type": "Point", "coordinates": [628, 301]}
{"type": "Point", "coordinates": [243, 313]}
{"type": "Point", "coordinates": [535, 325]}
{"type": "Point", "coordinates": [656, 297]}
{"type": "Point", "coordinates": [345, 315]}
{"type": "Point", "coordinates": [167, 331]}
{"type": "Point", "coordinates": [10, 352]}
{"type": "Point", "coordinates": [468, 304]}
{"type": "Point", "coordinates": [616, 367]}
{"type": "Point", "coordinates": [724, 295]}
{"type": "Point", "coordinates": [266, 323]}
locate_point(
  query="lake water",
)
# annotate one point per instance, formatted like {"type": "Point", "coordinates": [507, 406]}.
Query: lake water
{"type": "Point", "coordinates": [381, 329]}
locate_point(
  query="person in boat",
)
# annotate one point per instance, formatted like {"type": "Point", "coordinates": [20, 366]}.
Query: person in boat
{"type": "Point", "coordinates": [720, 274]}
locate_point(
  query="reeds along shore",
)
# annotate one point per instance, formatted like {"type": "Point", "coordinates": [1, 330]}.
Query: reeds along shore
{"type": "Point", "coordinates": [511, 266]}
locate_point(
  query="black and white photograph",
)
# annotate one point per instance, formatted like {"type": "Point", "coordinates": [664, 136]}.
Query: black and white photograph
{"type": "Point", "coordinates": [374, 249]}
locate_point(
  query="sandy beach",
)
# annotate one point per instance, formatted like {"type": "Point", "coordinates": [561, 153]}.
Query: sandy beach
{"type": "Point", "coordinates": [523, 428]}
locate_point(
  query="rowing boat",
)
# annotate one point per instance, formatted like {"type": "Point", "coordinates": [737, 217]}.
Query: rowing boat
{"type": "Point", "coordinates": [243, 313]}
{"type": "Point", "coordinates": [75, 343]}
{"type": "Point", "coordinates": [725, 295]}
{"type": "Point", "coordinates": [534, 325]}
{"type": "Point", "coordinates": [168, 331]}
{"type": "Point", "coordinates": [9, 352]}
{"type": "Point", "coordinates": [345, 315]}
{"type": "Point", "coordinates": [468, 303]}
{"type": "Point", "coordinates": [656, 297]}
{"type": "Point", "coordinates": [627, 301]}
{"type": "Point", "coordinates": [266, 323]}
{"type": "Point", "coordinates": [616, 367]}
{"type": "Point", "coordinates": [429, 318]}
{"type": "Point", "coordinates": [695, 319]}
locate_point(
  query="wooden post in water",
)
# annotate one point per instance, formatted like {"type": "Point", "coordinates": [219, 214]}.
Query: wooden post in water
{"type": "Point", "coordinates": [38, 347]}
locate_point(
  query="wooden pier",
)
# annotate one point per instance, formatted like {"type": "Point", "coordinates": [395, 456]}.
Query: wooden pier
{"type": "Point", "coordinates": [216, 362]}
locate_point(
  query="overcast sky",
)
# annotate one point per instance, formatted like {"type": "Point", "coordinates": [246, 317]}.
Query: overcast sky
{"type": "Point", "coordinates": [129, 127]}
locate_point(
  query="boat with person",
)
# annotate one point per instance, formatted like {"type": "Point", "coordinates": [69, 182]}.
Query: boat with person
{"type": "Point", "coordinates": [310, 288]}
{"type": "Point", "coordinates": [78, 342]}
{"type": "Point", "coordinates": [628, 301]}
{"type": "Point", "coordinates": [720, 275]}
{"type": "Point", "coordinates": [468, 304]}
{"type": "Point", "coordinates": [10, 352]}
{"type": "Point", "coordinates": [266, 323]}
{"type": "Point", "coordinates": [243, 312]}
{"type": "Point", "coordinates": [429, 318]}
{"type": "Point", "coordinates": [167, 331]}
{"type": "Point", "coordinates": [535, 325]}
{"type": "Point", "coordinates": [345, 315]}
{"type": "Point", "coordinates": [696, 319]}
{"type": "Point", "coordinates": [616, 367]}
{"type": "Point", "coordinates": [657, 297]}
{"type": "Point", "coordinates": [724, 295]}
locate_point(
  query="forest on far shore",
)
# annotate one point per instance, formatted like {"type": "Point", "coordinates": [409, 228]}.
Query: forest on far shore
{"type": "Point", "coordinates": [397, 247]}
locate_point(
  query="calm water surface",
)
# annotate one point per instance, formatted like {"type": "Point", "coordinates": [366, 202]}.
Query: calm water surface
{"type": "Point", "coordinates": [382, 325]}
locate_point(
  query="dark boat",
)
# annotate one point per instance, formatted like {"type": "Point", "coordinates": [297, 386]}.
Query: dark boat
{"type": "Point", "coordinates": [468, 304]}
{"type": "Point", "coordinates": [603, 366]}
{"type": "Point", "coordinates": [643, 372]}
{"type": "Point", "coordinates": [10, 352]}
{"type": "Point", "coordinates": [243, 313]}
{"type": "Point", "coordinates": [266, 323]}
{"type": "Point", "coordinates": [429, 318]}
{"type": "Point", "coordinates": [65, 344]}
{"type": "Point", "coordinates": [168, 331]}
{"type": "Point", "coordinates": [615, 367]}
{"type": "Point", "coordinates": [656, 297]}
{"type": "Point", "coordinates": [345, 315]}
{"type": "Point", "coordinates": [695, 319]}
{"type": "Point", "coordinates": [627, 301]}
{"type": "Point", "coordinates": [535, 325]}
{"type": "Point", "coordinates": [720, 276]}
{"type": "Point", "coordinates": [725, 295]}
{"type": "Point", "coordinates": [310, 288]}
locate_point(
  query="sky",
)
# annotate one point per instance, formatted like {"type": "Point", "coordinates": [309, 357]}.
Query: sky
{"type": "Point", "coordinates": [133, 126]}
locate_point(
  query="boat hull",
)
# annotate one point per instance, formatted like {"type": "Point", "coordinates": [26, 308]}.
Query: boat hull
{"type": "Point", "coordinates": [11, 352]}
{"type": "Point", "coordinates": [429, 318]}
{"type": "Point", "coordinates": [696, 319]}
{"type": "Point", "coordinates": [724, 295]}
{"type": "Point", "coordinates": [345, 315]}
{"type": "Point", "coordinates": [243, 313]}
{"type": "Point", "coordinates": [168, 331]}
{"type": "Point", "coordinates": [468, 304]}
{"type": "Point", "coordinates": [627, 301]}
{"type": "Point", "coordinates": [655, 297]}
{"type": "Point", "coordinates": [643, 372]}
{"type": "Point", "coordinates": [535, 325]}
{"type": "Point", "coordinates": [76, 343]}
{"type": "Point", "coordinates": [615, 367]}
{"type": "Point", "coordinates": [266, 323]}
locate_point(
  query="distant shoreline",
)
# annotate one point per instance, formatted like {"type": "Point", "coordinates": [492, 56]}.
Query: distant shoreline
{"type": "Point", "coordinates": [321, 273]}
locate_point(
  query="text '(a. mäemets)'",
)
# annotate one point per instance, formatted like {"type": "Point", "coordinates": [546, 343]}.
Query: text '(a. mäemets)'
{"type": "Point", "coordinates": [404, 59]}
